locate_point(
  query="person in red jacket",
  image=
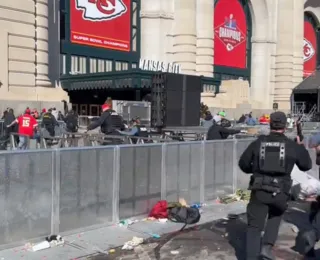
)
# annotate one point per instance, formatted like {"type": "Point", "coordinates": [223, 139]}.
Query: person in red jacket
{"type": "Point", "coordinates": [27, 123]}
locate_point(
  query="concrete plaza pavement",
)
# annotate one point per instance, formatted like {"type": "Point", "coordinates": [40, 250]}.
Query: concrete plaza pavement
{"type": "Point", "coordinates": [214, 237]}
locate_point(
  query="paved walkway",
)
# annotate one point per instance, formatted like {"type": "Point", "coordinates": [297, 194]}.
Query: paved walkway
{"type": "Point", "coordinates": [213, 238]}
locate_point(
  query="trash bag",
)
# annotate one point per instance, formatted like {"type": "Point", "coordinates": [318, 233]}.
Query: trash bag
{"type": "Point", "coordinates": [304, 185]}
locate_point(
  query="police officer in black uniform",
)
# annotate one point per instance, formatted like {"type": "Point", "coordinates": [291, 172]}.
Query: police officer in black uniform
{"type": "Point", "coordinates": [49, 122]}
{"type": "Point", "coordinates": [108, 121]}
{"type": "Point", "coordinates": [270, 159]}
{"type": "Point", "coordinates": [71, 121]}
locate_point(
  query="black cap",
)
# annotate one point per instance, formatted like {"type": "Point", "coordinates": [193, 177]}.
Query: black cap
{"type": "Point", "coordinates": [278, 120]}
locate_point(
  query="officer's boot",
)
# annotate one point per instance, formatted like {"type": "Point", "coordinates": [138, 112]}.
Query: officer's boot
{"type": "Point", "coordinates": [311, 255]}
{"type": "Point", "coordinates": [310, 239]}
{"type": "Point", "coordinates": [266, 253]}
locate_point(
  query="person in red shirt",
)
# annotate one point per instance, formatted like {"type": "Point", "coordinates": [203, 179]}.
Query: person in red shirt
{"type": "Point", "coordinates": [27, 123]}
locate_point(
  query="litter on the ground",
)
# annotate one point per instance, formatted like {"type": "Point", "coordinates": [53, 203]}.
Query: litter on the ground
{"type": "Point", "coordinates": [239, 195]}
{"type": "Point", "coordinates": [174, 252]}
{"type": "Point", "coordinates": [135, 241]}
{"type": "Point", "coordinates": [197, 205]}
{"type": "Point", "coordinates": [50, 241]}
{"type": "Point", "coordinates": [304, 185]}
{"type": "Point", "coordinates": [127, 222]}
{"type": "Point", "coordinates": [163, 220]}
{"type": "Point", "coordinates": [41, 246]}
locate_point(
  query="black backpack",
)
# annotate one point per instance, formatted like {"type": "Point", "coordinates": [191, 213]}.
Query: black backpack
{"type": "Point", "coordinates": [184, 215]}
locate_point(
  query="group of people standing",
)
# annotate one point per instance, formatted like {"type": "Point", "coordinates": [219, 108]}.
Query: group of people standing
{"type": "Point", "coordinates": [25, 126]}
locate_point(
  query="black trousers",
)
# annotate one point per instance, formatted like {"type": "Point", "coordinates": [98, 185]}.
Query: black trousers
{"type": "Point", "coordinates": [263, 206]}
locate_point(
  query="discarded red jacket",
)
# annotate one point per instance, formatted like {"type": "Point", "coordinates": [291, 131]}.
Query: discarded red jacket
{"type": "Point", "coordinates": [159, 210]}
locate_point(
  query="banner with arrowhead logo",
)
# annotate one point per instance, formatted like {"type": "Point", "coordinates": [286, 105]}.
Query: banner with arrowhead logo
{"type": "Point", "coordinates": [309, 49]}
{"type": "Point", "coordinates": [101, 23]}
{"type": "Point", "coordinates": [230, 34]}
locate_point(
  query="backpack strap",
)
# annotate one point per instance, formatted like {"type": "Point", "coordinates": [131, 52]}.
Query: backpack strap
{"type": "Point", "coordinates": [184, 226]}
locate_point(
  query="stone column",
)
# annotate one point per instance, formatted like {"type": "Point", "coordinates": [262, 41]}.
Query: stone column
{"type": "Point", "coordinates": [259, 91]}
{"type": "Point", "coordinates": [150, 29]}
{"type": "Point", "coordinates": [42, 57]}
{"type": "Point", "coordinates": [156, 24]}
{"type": "Point", "coordinates": [205, 34]}
{"type": "Point", "coordinates": [185, 38]}
{"type": "Point", "coordinates": [284, 55]}
{"type": "Point", "coordinates": [298, 24]}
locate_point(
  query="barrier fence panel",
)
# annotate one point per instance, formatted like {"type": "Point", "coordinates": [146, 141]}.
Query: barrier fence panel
{"type": "Point", "coordinates": [26, 196]}
{"type": "Point", "coordinates": [63, 190]}
{"type": "Point", "coordinates": [86, 187]}
{"type": "Point", "coordinates": [140, 179]}
{"type": "Point", "coordinates": [183, 162]}
{"type": "Point", "coordinates": [219, 158]}
{"type": "Point", "coordinates": [242, 179]}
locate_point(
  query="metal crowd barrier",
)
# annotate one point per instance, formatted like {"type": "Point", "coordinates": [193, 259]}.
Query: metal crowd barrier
{"type": "Point", "coordinates": [60, 191]}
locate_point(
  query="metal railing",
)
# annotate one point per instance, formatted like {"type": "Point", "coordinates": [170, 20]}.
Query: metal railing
{"type": "Point", "coordinates": [67, 190]}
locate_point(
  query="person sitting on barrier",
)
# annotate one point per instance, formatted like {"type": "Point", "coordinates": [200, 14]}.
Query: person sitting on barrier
{"type": "Point", "coordinates": [136, 129]}
{"type": "Point", "coordinates": [27, 125]}
{"type": "Point", "coordinates": [219, 132]}
{"type": "Point", "coordinates": [49, 122]}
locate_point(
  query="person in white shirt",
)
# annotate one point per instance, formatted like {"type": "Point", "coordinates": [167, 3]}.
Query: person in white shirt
{"type": "Point", "coordinates": [290, 122]}
{"type": "Point", "coordinates": [55, 113]}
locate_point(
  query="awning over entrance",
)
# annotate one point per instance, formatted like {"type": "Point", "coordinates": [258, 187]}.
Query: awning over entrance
{"type": "Point", "coordinates": [310, 85]}
{"type": "Point", "coordinates": [120, 80]}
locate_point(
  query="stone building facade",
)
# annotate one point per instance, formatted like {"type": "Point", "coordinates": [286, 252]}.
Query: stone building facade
{"type": "Point", "coordinates": [179, 31]}
{"type": "Point", "coordinates": [26, 54]}
{"type": "Point", "coordinates": [182, 31]}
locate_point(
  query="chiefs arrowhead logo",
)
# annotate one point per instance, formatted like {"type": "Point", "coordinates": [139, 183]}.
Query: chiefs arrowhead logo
{"type": "Point", "coordinates": [101, 10]}
{"type": "Point", "coordinates": [308, 50]}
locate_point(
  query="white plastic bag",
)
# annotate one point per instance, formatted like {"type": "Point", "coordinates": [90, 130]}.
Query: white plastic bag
{"type": "Point", "coordinates": [304, 185]}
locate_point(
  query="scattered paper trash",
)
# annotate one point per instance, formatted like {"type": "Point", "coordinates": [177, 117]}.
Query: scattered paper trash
{"type": "Point", "coordinates": [239, 195]}
{"type": "Point", "coordinates": [174, 252]}
{"type": "Point", "coordinates": [41, 246]}
{"type": "Point", "coordinates": [127, 222]}
{"type": "Point", "coordinates": [135, 241]}
{"type": "Point", "coordinates": [163, 220]}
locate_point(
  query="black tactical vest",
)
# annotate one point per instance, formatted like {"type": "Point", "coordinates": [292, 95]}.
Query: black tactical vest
{"type": "Point", "coordinates": [272, 158]}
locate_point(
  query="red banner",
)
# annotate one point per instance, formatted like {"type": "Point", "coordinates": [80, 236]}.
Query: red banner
{"type": "Point", "coordinates": [230, 34]}
{"type": "Point", "coordinates": [101, 23]}
{"type": "Point", "coordinates": [309, 49]}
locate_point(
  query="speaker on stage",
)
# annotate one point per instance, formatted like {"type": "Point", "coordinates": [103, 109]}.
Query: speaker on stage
{"type": "Point", "coordinates": [175, 100]}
